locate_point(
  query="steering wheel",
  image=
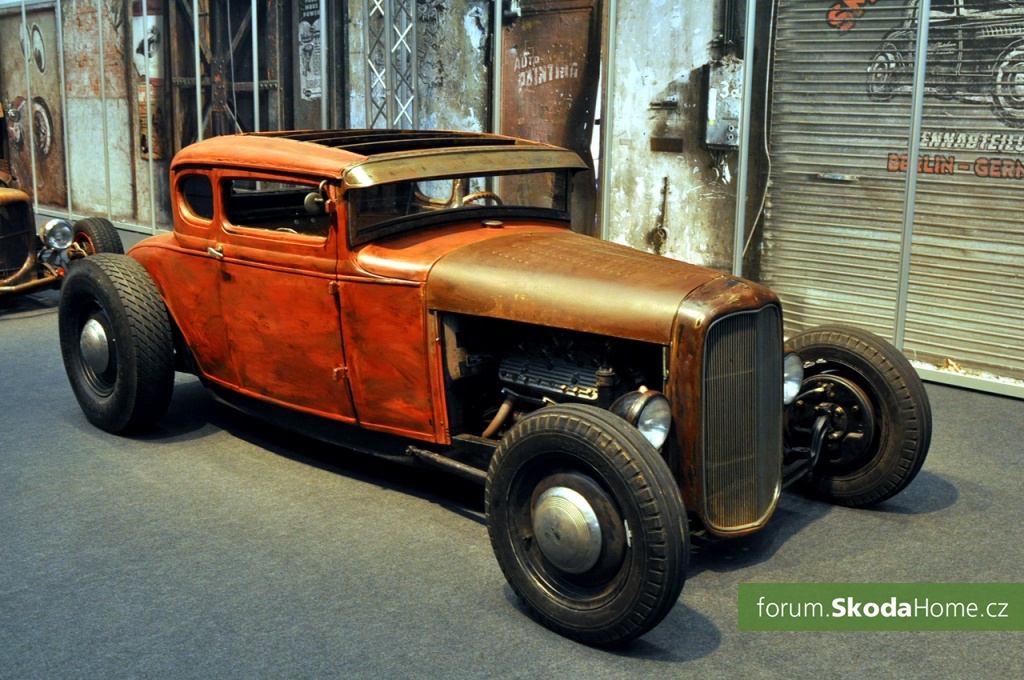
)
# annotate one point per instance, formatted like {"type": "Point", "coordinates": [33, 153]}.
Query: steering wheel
{"type": "Point", "coordinates": [482, 195]}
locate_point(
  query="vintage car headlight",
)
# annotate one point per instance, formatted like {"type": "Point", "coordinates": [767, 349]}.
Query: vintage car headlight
{"type": "Point", "coordinates": [792, 377]}
{"type": "Point", "coordinates": [648, 411]}
{"type": "Point", "coordinates": [57, 234]}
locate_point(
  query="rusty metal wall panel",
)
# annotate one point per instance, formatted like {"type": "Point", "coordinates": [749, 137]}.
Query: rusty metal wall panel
{"type": "Point", "coordinates": [549, 79]}
{"type": "Point", "coordinates": [32, 92]}
{"type": "Point", "coordinates": [841, 125]}
{"type": "Point", "coordinates": [549, 53]}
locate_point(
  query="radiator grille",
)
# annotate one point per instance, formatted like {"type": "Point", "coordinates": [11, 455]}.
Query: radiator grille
{"type": "Point", "coordinates": [742, 439]}
{"type": "Point", "coordinates": [17, 238]}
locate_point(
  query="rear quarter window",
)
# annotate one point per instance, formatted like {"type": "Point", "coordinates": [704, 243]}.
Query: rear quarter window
{"type": "Point", "coordinates": [196, 193]}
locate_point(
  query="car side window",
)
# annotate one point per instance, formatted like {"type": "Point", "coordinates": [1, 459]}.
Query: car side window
{"type": "Point", "coordinates": [288, 207]}
{"type": "Point", "coordinates": [197, 193]}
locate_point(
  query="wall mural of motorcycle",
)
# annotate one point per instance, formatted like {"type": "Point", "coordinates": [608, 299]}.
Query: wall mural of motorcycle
{"type": "Point", "coordinates": [33, 110]}
{"type": "Point", "coordinates": [975, 55]}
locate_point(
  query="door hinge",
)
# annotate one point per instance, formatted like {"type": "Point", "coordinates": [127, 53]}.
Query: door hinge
{"type": "Point", "coordinates": [340, 373]}
{"type": "Point", "coordinates": [333, 288]}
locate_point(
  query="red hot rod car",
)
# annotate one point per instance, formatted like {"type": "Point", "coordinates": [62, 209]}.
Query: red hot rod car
{"type": "Point", "coordinates": [421, 295]}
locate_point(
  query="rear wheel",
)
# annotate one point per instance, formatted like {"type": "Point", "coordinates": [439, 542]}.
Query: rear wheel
{"type": "Point", "coordinates": [587, 524]}
{"type": "Point", "coordinates": [878, 412]}
{"type": "Point", "coordinates": [115, 338]}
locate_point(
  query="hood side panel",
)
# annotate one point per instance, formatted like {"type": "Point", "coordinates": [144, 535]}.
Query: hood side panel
{"type": "Point", "coordinates": [566, 280]}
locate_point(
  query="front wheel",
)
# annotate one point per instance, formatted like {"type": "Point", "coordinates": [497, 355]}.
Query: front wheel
{"type": "Point", "coordinates": [587, 524]}
{"type": "Point", "coordinates": [96, 235]}
{"type": "Point", "coordinates": [879, 417]}
{"type": "Point", "coordinates": [116, 341]}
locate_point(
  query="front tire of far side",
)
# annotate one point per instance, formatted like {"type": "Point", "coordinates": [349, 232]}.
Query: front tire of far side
{"type": "Point", "coordinates": [887, 415]}
{"type": "Point", "coordinates": [116, 341]}
{"type": "Point", "coordinates": [587, 524]}
{"type": "Point", "coordinates": [97, 235]}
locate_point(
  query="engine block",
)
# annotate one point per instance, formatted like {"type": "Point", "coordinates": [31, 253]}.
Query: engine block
{"type": "Point", "coordinates": [557, 368]}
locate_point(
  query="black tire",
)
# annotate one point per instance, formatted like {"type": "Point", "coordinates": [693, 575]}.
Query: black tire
{"type": "Point", "coordinates": [635, 579]}
{"type": "Point", "coordinates": [896, 415]}
{"type": "Point", "coordinates": [115, 337]}
{"type": "Point", "coordinates": [97, 235]}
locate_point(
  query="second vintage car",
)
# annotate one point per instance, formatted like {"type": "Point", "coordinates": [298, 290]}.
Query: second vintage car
{"type": "Point", "coordinates": [421, 295]}
{"type": "Point", "coordinates": [34, 259]}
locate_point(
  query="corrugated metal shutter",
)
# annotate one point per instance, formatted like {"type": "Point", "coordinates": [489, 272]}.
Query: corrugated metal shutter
{"type": "Point", "coordinates": [841, 125]}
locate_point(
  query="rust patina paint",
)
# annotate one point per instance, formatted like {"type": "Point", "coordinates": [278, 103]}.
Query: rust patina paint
{"type": "Point", "coordinates": [562, 279]}
{"type": "Point", "coordinates": [349, 333]}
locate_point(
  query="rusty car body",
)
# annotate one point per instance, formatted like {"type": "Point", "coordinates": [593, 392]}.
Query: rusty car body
{"type": "Point", "coordinates": [421, 295]}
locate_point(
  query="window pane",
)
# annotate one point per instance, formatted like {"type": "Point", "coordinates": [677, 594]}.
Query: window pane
{"type": "Point", "coordinates": [276, 206]}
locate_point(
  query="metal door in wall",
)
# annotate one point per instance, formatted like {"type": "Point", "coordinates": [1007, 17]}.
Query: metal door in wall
{"type": "Point", "coordinates": [551, 59]}
{"type": "Point", "coordinates": [836, 218]}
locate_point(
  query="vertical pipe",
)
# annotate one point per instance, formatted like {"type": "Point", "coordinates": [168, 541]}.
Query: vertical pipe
{"type": "Point", "coordinates": [496, 74]}
{"type": "Point", "coordinates": [149, 118]}
{"type": "Point", "coordinates": [916, 118]}
{"type": "Point", "coordinates": [26, 45]}
{"type": "Point", "coordinates": [103, 104]}
{"type": "Point", "coordinates": [607, 86]}
{"type": "Point", "coordinates": [199, 84]}
{"type": "Point", "coordinates": [413, 71]}
{"type": "Point", "coordinates": [389, 85]}
{"type": "Point", "coordinates": [743, 160]}
{"type": "Point", "coordinates": [324, 121]}
{"type": "Point", "coordinates": [254, 29]}
{"type": "Point", "coordinates": [63, 104]}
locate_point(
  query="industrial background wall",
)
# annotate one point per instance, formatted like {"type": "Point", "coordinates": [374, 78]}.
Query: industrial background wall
{"type": "Point", "coordinates": [926, 251]}
{"type": "Point", "coordinates": [109, 90]}
{"type": "Point", "coordinates": [99, 95]}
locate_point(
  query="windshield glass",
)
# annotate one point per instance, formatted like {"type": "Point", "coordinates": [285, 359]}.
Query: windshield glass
{"type": "Point", "coordinates": [385, 209]}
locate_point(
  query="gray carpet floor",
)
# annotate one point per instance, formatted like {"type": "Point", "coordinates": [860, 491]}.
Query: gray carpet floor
{"type": "Point", "coordinates": [217, 546]}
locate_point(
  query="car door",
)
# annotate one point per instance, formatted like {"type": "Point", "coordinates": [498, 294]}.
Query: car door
{"type": "Point", "coordinates": [279, 292]}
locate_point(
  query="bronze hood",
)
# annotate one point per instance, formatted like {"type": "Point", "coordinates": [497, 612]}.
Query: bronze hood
{"type": "Point", "coordinates": [566, 280]}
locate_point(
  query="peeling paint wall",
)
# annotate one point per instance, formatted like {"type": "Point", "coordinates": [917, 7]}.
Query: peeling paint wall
{"type": "Point", "coordinates": [355, 63]}
{"type": "Point", "coordinates": [667, 193]}
{"type": "Point", "coordinates": [453, 39]}
{"type": "Point", "coordinates": [85, 90]}
{"type": "Point", "coordinates": [454, 64]}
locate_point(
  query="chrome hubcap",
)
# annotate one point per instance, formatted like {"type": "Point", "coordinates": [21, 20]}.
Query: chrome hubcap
{"type": "Point", "coordinates": [567, 530]}
{"type": "Point", "coordinates": [94, 346]}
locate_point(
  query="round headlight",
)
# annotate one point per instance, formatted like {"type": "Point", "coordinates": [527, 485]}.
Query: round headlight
{"type": "Point", "coordinates": [792, 377]}
{"type": "Point", "coordinates": [57, 234]}
{"type": "Point", "coordinates": [648, 411]}
{"type": "Point", "coordinates": [655, 421]}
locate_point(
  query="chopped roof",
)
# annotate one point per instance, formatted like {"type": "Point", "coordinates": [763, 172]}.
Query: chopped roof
{"type": "Point", "coordinates": [380, 155]}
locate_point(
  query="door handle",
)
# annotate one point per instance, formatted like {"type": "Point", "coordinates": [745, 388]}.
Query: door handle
{"type": "Point", "coordinates": [217, 252]}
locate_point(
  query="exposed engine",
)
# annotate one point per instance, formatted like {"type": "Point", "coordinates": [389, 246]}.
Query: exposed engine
{"type": "Point", "coordinates": [525, 367]}
{"type": "Point", "coordinates": [560, 368]}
